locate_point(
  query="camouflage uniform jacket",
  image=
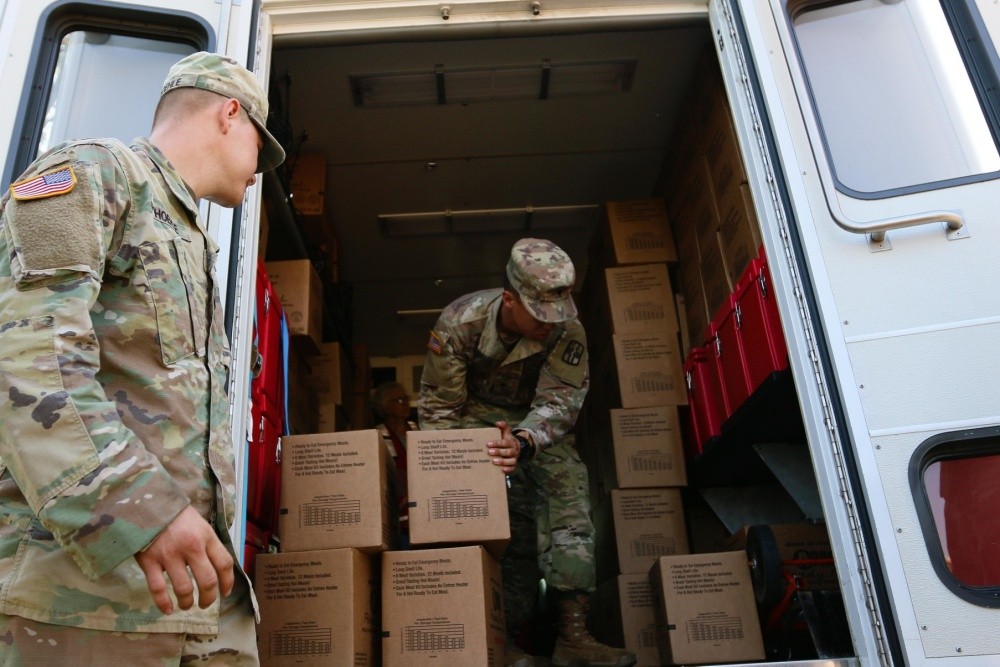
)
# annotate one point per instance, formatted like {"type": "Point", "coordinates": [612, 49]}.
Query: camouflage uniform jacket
{"type": "Point", "coordinates": [113, 370]}
{"type": "Point", "coordinates": [471, 379]}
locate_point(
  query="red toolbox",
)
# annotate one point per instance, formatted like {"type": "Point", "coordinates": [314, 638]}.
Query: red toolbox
{"type": "Point", "coordinates": [760, 327]}
{"type": "Point", "coordinates": [268, 380]}
{"type": "Point", "coordinates": [706, 402]}
{"type": "Point", "coordinates": [263, 470]}
{"type": "Point", "coordinates": [732, 358]}
{"type": "Point", "coordinates": [715, 365]}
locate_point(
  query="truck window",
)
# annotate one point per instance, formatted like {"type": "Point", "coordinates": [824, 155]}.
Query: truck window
{"type": "Point", "coordinates": [96, 72]}
{"type": "Point", "coordinates": [963, 497]}
{"type": "Point", "coordinates": [894, 99]}
{"type": "Point", "coordinates": [82, 89]}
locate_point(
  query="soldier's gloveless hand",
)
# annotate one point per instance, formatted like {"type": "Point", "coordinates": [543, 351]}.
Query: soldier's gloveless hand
{"type": "Point", "coordinates": [187, 542]}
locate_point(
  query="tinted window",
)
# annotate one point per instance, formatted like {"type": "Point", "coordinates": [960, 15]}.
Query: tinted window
{"type": "Point", "coordinates": [97, 72]}
{"type": "Point", "coordinates": [895, 101]}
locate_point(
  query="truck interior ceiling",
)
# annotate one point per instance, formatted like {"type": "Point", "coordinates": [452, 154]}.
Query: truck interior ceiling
{"type": "Point", "coordinates": [412, 130]}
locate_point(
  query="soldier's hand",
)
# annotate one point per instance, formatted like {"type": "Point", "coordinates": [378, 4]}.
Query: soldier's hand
{"type": "Point", "coordinates": [187, 542]}
{"type": "Point", "coordinates": [504, 451]}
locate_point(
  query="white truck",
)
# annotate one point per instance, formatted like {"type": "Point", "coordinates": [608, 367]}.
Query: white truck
{"type": "Point", "coordinates": [869, 134]}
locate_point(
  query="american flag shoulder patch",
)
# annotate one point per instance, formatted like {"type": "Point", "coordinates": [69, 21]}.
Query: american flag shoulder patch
{"type": "Point", "coordinates": [51, 183]}
{"type": "Point", "coordinates": [435, 344]}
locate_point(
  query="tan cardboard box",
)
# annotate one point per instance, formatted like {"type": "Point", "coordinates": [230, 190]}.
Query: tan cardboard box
{"type": "Point", "coordinates": [647, 448]}
{"type": "Point", "coordinates": [301, 294]}
{"type": "Point", "coordinates": [335, 492]}
{"type": "Point", "coordinates": [640, 298]}
{"type": "Point", "coordinates": [302, 403]}
{"type": "Point", "coordinates": [705, 609]}
{"type": "Point", "coordinates": [308, 183]}
{"type": "Point", "coordinates": [739, 232]}
{"type": "Point", "coordinates": [799, 541]}
{"type": "Point", "coordinates": [457, 495]}
{"type": "Point", "coordinates": [694, 300]}
{"type": "Point", "coordinates": [649, 369]}
{"type": "Point", "coordinates": [638, 232]}
{"type": "Point", "coordinates": [330, 374]}
{"type": "Point", "coordinates": [331, 417]}
{"type": "Point", "coordinates": [296, 593]}
{"type": "Point", "coordinates": [637, 527]}
{"type": "Point", "coordinates": [630, 618]}
{"type": "Point", "coordinates": [714, 276]}
{"type": "Point", "coordinates": [722, 152]}
{"type": "Point", "coordinates": [442, 607]}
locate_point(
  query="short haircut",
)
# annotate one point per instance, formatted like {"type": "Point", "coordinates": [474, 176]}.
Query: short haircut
{"type": "Point", "coordinates": [182, 102]}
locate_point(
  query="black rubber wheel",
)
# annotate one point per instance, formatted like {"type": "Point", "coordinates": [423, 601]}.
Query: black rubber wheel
{"type": "Point", "coordinates": [765, 565]}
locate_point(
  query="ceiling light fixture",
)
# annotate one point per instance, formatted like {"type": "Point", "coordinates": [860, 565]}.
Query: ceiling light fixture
{"type": "Point", "coordinates": [491, 220]}
{"type": "Point", "coordinates": [439, 85]}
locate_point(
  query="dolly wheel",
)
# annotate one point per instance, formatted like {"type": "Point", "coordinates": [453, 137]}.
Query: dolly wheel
{"type": "Point", "coordinates": [765, 565]}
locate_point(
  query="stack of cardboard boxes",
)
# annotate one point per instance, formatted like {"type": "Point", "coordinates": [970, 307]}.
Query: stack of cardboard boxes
{"type": "Point", "coordinates": [441, 602]}
{"type": "Point", "coordinates": [629, 435]}
{"type": "Point", "coordinates": [318, 597]}
{"type": "Point", "coordinates": [730, 317]}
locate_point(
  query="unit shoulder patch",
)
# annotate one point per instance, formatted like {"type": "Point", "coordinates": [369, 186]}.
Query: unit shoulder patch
{"type": "Point", "coordinates": [50, 184]}
{"type": "Point", "coordinates": [573, 353]}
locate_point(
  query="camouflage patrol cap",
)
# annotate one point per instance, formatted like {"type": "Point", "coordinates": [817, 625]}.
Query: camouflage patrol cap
{"type": "Point", "coordinates": [223, 75]}
{"type": "Point", "coordinates": [543, 275]}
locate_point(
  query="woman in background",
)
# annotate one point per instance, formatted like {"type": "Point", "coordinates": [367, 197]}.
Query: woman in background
{"type": "Point", "coordinates": [391, 404]}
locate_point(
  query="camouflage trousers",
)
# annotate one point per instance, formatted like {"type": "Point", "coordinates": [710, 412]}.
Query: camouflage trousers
{"type": "Point", "coordinates": [552, 535]}
{"type": "Point", "coordinates": [29, 643]}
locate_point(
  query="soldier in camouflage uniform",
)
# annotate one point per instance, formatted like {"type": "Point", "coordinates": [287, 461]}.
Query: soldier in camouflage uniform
{"type": "Point", "coordinates": [117, 485]}
{"type": "Point", "coordinates": [517, 358]}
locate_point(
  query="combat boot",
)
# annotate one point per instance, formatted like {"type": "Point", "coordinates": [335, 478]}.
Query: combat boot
{"type": "Point", "coordinates": [575, 647]}
{"type": "Point", "coordinates": [515, 657]}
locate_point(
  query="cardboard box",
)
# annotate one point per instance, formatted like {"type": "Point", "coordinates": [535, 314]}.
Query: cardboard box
{"type": "Point", "coordinates": [457, 495]}
{"type": "Point", "coordinates": [645, 524]}
{"type": "Point", "coordinates": [297, 592]}
{"type": "Point", "coordinates": [361, 378]}
{"type": "Point", "coordinates": [705, 609]}
{"type": "Point", "coordinates": [335, 492]}
{"type": "Point", "coordinates": [331, 417]}
{"type": "Point", "coordinates": [739, 233]}
{"type": "Point", "coordinates": [442, 607]}
{"type": "Point", "coordinates": [629, 617]}
{"type": "Point", "coordinates": [695, 307]}
{"type": "Point", "coordinates": [649, 369]}
{"type": "Point", "coordinates": [646, 448]}
{"type": "Point", "coordinates": [640, 298]}
{"type": "Point", "coordinates": [636, 231]}
{"type": "Point", "coordinates": [799, 541]}
{"type": "Point", "coordinates": [302, 402]}
{"type": "Point", "coordinates": [301, 294]}
{"type": "Point", "coordinates": [330, 374]}
{"type": "Point", "coordinates": [714, 277]}
{"type": "Point", "coordinates": [308, 183]}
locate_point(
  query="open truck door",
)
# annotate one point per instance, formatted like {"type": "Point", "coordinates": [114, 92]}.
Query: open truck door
{"type": "Point", "coordinates": [869, 131]}
{"type": "Point", "coordinates": [94, 69]}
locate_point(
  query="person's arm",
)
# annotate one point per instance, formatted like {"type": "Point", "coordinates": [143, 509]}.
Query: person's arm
{"type": "Point", "coordinates": [562, 387]}
{"type": "Point", "coordinates": [88, 477]}
{"type": "Point", "coordinates": [442, 386]}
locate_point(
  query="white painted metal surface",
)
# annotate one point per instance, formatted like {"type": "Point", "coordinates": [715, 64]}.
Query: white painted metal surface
{"type": "Point", "coordinates": [911, 333]}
